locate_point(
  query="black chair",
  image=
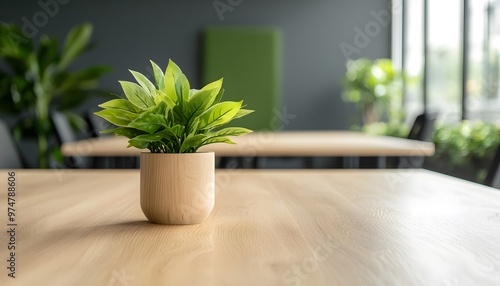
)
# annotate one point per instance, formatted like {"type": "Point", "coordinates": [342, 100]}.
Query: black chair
{"type": "Point", "coordinates": [9, 154]}
{"type": "Point", "coordinates": [423, 129]}
{"type": "Point", "coordinates": [65, 134]}
{"type": "Point", "coordinates": [493, 175]}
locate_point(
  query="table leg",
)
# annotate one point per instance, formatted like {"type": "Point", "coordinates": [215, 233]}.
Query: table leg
{"type": "Point", "coordinates": [381, 162]}
{"type": "Point", "coordinates": [350, 163]}
{"type": "Point", "coordinates": [309, 162]}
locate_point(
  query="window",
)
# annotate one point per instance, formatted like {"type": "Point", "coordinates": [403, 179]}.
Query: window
{"type": "Point", "coordinates": [413, 53]}
{"type": "Point", "coordinates": [444, 56]}
{"type": "Point", "coordinates": [433, 34]}
{"type": "Point", "coordinates": [483, 99]}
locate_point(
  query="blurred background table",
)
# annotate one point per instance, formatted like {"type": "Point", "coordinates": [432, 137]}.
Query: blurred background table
{"type": "Point", "coordinates": [275, 144]}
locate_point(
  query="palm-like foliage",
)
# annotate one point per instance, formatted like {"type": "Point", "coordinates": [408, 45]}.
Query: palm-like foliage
{"type": "Point", "coordinates": [34, 79]}
{"type": "Point", "coordinates": [169, 116]}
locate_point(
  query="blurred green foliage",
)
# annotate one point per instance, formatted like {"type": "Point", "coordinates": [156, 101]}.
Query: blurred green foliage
{"type": "Point", "coordinates": [368, 82]}
{"type": "Point", "coordinates": [376, 87]}
{"type": "Point", "coordinates": [468, 143]}
{"type": "Point", "coordinates": [34, 80]}
{"type": "Point", "coordinates": [394, 129]}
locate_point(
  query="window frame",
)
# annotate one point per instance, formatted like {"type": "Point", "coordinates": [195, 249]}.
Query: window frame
{"type": "Point", "coordinates": [399, 52]}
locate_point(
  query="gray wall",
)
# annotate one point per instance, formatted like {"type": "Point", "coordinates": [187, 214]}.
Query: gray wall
{"type": "Point", "coordinates": [129, 33]}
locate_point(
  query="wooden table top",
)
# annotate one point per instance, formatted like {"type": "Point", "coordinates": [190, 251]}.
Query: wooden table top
{"type": "Point", "coordinates": [272, 227]}
{"type": "Point", "coordinates": [281, 144]}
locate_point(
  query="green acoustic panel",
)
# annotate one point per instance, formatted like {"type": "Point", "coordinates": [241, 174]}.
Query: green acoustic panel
{"type": "Point", "coordinates": [249, 60]}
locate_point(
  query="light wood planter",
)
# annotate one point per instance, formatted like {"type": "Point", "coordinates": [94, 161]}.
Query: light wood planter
{"type": "Point", "coordinates": [177, 188]}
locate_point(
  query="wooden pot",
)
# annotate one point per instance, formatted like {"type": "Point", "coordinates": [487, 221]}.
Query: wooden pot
{"type": "Point", "coordinates": [177, 188]}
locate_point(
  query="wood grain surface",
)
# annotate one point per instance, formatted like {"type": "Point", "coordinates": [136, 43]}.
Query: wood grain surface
{"type": "Point", "coordinates": [285, 143]}
{"type": "Point", "coordinates": [273, 227]}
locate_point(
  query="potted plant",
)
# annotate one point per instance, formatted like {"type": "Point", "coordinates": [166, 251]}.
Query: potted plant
{"type": "Point", "coordinates": [173, 121]}
{"type": "Point", "coordinates": [35, 80]}
{"type": "Point", "coordinates": [376, 88]}
{"type": "Point", "coordinates": [465, 150]}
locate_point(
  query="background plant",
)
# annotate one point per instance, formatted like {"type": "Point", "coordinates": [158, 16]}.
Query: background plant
{"type": "Point", "coordinates": [376, 89]}
{"type": "Point", "coordinates": [34, 79]}
{"type": "Point", "coordinates": [394, 128]}
{"type": "Point", "coordinates": [169, 116]}
{"type": "Point", "coordinates": [468, 143]}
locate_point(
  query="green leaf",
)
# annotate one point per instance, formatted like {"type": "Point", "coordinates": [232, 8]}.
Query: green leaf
{"type": "Point", "coordinates": [148, 122]}
{"type": "Point", "coordinates": [137, 144]}
{"type": "Point", "coordinates": [192, 92]}
{"type": "Point", "coordinates": [219, 114]}
{"type": "Point", "coordinates": [34, 69]}
{"type": "Point", "coordinates": [123, 131]}
{"type": "Point", "coordinates": [232, 131]}
{"type": "Point", "coordinates": [137, 95]}
{"type": "Point", "coordinates": [121, 104]}
{"type": "Point", "coordinates": [217, 140]}
{"type": "Point", "coordinates": [214, 87]}
{"type": "Point", "coordinates": [160, 108]}
{"type": "Point", "coordinates": [47, 52]}
{"type": "Point", "coordinates": [84, 79]}
{"type": "Point", "coordinates": [205, 97]}
{"type": "Point", "coordinates": [193, 127]}
{"type": "Point", "coordinates": [172, 73]}
{"type": "Point", "coordinates": [144, 82]}
{"type": "Point", "coordinates": [197, 104]}
{"type": "Point", "coordinates": [242, 112]}
{"type": "Point", "coordinates": [13, 43]}
{"type": "Point", "coordinates": [172, 133]}
{"type": "Point", "coordinates": [159, 76]}
{"type": "Point", "coordinates": [179, 116]}
{"type": "Point", "coordinates": [76, 43]}
{"type": "Point", "coordinates": [148, 137]}
{"type": "Point", "coordinates": [182, 88]}
{"type": "Point", "coordinates": [161, 96]}
{"type": "Point", "coordinates": [173, 69]}
{"type": "Point", "coordinates": [219, 95]}
{"type": "Point", "coordinates": [202, 100]}
{"type": "Point", "coordinates": [220, 136]}
{"type": "Point", "coordinates": [170, 91]}
{"type": "Point", "coordinates": [192, 142]}
{"type": "Point", "coordinates": [117, 117]}
{"type": "Point", "coordinates": [142, 141]}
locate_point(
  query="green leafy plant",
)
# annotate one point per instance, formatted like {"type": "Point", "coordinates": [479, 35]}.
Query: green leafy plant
{"type": "Point", "coordinates": [469, 143]}
{"type": "Point", "coordinates": [169, 116]}
{"type": "Point", "coordinates": [394, 129]}
{"type": "Point", "coordinates": [34, 79]}
{"type": "Point", "coordinates": [376, 88]}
